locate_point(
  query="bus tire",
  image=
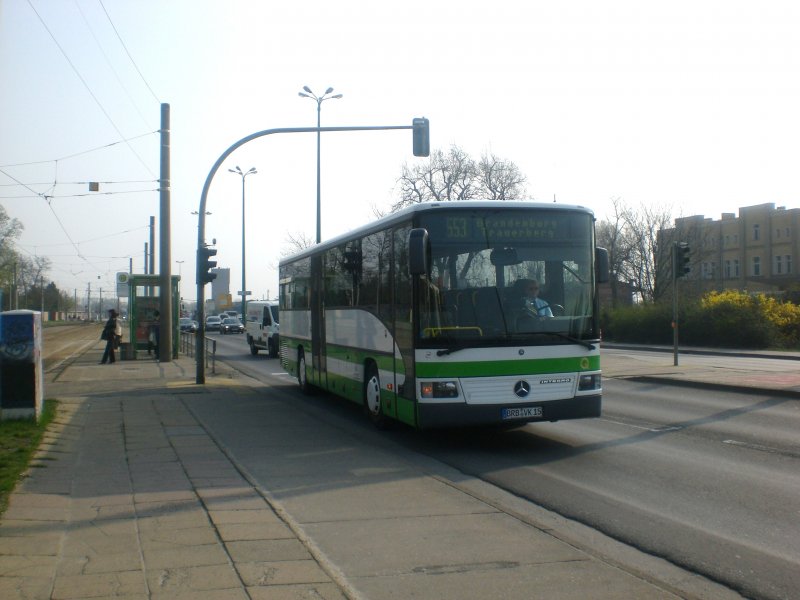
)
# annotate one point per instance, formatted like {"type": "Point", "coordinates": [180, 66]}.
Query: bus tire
{"type": "Point", "coordinates": [253, 348]}
{"type": "Point", "coordinates": [372, 397]}
{"type": "Point", "coordinates": [302, 378]}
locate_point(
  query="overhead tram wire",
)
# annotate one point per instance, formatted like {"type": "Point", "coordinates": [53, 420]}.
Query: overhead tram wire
{"type": "Point", "coordinates": [81, 153]}
{"type": "Point", "coordinates": [119, 37]}
{"type": "Point", "coordinates": [108, 61]}
{"type": "Point", "coordinates": [58, 220]}
{"type": "Point", "coordinates": [87, 194]}
{"type": "Point", "coordinates": [86, 85]}
{"type": "Point", "coordinates": [79, 182]}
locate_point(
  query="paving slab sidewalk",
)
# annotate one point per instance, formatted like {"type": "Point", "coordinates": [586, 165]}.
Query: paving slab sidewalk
{"type": "Point", "coordinates": [131, 496]}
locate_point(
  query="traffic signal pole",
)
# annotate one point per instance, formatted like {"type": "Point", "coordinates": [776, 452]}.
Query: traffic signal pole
{"type": "Point", "coordinates": [675, 304]}
{"type": "Point", "coordinates": [680, 267]}
{"type": "Point", "coordinates": [421, 148]}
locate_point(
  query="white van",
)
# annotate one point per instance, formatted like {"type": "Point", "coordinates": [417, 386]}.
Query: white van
{"type": "Point", "coordinates": [262, 328]}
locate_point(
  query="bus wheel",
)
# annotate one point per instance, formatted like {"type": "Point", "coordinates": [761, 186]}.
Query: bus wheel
{"type": "Point", "coordinates": [372, 397]}
{"type": "Point", "coordinates": [302, 379]}
{"type": "Point", "coordinates": [253, 349]}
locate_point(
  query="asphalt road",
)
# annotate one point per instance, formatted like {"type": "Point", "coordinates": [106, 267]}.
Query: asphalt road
{"type": "Point", "coordinates": [708, 479]}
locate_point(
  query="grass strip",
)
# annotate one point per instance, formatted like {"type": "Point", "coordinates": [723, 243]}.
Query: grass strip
{"type": "Point", "coordinates": [19, 439]}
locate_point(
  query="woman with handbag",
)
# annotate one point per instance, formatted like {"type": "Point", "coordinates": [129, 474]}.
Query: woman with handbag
{"type": "Point", "coordinates": [112, 333]}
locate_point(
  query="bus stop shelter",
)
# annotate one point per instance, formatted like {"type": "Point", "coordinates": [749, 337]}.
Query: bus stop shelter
{"type": "Point", "coordinates": [143, 316]}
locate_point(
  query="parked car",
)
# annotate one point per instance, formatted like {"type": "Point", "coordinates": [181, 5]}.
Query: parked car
{"type": "Point", "coordinates": [189, 325]}
{"type": "Point", "coordinates": [213, 323]}
{"type": "Point", "coordinates": [231, 325]}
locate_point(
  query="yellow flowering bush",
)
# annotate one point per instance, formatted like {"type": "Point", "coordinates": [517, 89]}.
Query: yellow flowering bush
{"type": "Point", "coordinates": [741, 311]}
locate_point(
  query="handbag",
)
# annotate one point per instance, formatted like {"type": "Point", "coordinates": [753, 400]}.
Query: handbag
{"type": "Point", "coordinates": [104, 335]}
{"type": "Point", "coordinates": [117, 339]}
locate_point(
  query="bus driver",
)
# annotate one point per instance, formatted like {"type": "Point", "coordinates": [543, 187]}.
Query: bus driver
{"type": "Point", "coordinates": [529, 291]}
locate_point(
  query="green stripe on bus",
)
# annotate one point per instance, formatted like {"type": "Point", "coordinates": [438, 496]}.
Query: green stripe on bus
{"type": "Point", "coordinates": [492, 368]}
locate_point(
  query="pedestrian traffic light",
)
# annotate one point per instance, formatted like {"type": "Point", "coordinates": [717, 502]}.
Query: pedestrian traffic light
{"type": "Point", "coordinates": [205, 264]}
{"type": "Point", "coordinates": [422, 138]}
{"type": "Point", "coordinates": [682, 259]}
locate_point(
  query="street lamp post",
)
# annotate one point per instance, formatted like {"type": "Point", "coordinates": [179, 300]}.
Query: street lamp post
{"type": "Point", "coordinates": [238, 171]}
{"type": "Point", "coordinates": [307, 93]}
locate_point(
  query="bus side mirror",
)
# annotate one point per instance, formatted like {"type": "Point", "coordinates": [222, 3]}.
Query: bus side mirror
{"type": "Point", "coordinates": [418, 252]}
{"type": "Point", "coordinates": [601, 265]}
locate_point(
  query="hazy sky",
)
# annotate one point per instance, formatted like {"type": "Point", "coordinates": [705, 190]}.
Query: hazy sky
{"type": "Point", "coordinates": [693, 105]}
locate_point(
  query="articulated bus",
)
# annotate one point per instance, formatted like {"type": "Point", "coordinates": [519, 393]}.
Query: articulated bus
{"type": "Point", "coordinates": [419, 315]}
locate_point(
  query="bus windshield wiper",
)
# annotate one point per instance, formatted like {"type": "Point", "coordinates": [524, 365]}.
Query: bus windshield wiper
{"type": "Point", "coordinates": [450, 350]}
{"type": "Point", "coordinates": [574, 340]}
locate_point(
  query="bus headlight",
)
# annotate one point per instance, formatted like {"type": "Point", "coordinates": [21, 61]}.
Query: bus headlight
{"type": "Point", "coordinates": [589, 382]}
{"type": "Point", "coordinates": [438, 389]}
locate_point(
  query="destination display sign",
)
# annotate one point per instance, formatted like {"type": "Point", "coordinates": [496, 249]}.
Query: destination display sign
{"type": "Point", "coordinates": [509, 227]}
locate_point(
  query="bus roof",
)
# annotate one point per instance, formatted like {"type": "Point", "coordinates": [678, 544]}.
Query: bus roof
{"type": "Point", "coordinates": [420, 207]}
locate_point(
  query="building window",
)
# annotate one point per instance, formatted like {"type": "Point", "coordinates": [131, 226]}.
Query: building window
{"type": "Point", "coordinates": [735, 238]}
{"type": "Point", "coordinates": [756, 232]}
{"type": "Point", "coordinates": [788, 264]}
{"type": "Point", "coordinates": [788, 232]}
{"type": "Point", "coordinates": [779, 264]}
{"type": "Point", "coordinates": [736, 267]}
{"type": "Point", "coordinates": [756, 266]}
{"type": "Point", "coordinates": [727, 269]}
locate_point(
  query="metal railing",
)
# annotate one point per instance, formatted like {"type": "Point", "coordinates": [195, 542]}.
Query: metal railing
{"type": "Point", "coordinates": [187, 347]}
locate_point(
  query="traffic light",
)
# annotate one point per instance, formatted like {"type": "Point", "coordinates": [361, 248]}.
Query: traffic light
{"type": "Point", "coordinates": [205, 264]}
{"type": "Point", "coordinates": [422, 137]}
{"type": "Point", "coordinates": [682, 259]}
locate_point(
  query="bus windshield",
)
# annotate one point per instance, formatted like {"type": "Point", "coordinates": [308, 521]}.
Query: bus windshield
{"type": "Point", "coordinates": [508, 276]}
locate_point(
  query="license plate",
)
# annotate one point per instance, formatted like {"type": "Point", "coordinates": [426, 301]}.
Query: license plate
{"type": "Point", "coordinates": [522, 413]}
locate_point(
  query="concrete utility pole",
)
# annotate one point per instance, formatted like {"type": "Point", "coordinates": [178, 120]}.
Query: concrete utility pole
{"type": "Point", "coordinates": [152, 256]}
{"type": "Point", "coordinates": [165, 350]}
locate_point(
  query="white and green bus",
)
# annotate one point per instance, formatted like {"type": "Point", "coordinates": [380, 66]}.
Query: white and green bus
{"type": "Point", "coordinates": [418, 315]}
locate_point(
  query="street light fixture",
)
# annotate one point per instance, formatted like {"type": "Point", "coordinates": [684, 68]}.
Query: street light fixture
{"type": "Point", "coordinates": [307, 93]}
{"type": "Point", "coordinates": [238, 171]}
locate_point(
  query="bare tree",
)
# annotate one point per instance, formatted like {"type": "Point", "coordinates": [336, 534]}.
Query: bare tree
{"type": "Point", "coordinates": [614, 236]}
{"type": "Point", "coordinates": [456, 176]}
{"type": "Point", "coordinates": [295, 243]}
{"type": "Point", "coordinates": [648, 262]}
{"type": "Point", "coordinates": [638, 248]}
{"type": "Point", "coordinates": [501, 179]}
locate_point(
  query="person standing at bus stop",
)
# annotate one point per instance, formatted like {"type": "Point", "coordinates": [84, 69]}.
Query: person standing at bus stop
{"type": "Point", "coordinates": [154, 335]}
{"type": "Point", "coordinates": [112, 333]}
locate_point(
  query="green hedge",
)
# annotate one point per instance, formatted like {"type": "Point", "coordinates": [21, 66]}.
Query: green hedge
{"type": "Point", "coordinates": [728, 319]}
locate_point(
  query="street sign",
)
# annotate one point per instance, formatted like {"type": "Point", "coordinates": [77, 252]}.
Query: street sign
{"type": "Point", "coordinates": [239, 293]}
{"type": "Point", "coordinates": [122, 285]}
